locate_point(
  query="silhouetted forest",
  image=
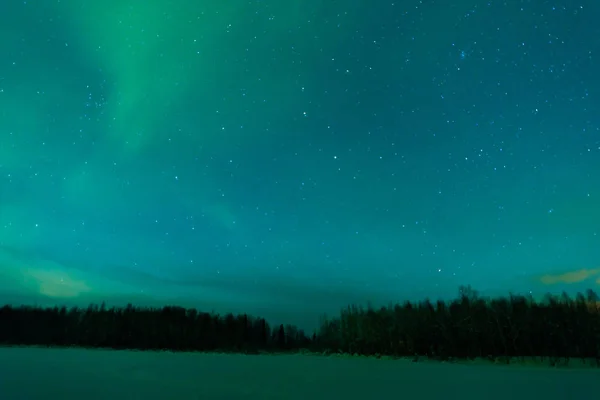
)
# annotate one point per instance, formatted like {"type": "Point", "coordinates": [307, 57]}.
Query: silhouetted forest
{"type": "Point", "coordinates": [471, 326]}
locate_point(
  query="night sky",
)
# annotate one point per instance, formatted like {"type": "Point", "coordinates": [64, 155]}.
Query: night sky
{"type": "Point", "coordinates": [288, 157]}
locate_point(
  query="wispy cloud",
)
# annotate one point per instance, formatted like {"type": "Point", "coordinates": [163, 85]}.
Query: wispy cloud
{"type": "Point", "coordinates": [570, 277]}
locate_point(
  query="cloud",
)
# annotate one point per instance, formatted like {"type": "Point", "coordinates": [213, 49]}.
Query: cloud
{"type": "Point", "coordinates": [30, 275]}
{"type": "Point", "coordinates": [22, 273]}
{"type": "Point", "coordinates": [56, 283]}
{"type": "Point", "coordinates": [570, 277]}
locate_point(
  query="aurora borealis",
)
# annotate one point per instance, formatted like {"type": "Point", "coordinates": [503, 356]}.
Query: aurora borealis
{"type": "Point", "coordinates": [271, 156]}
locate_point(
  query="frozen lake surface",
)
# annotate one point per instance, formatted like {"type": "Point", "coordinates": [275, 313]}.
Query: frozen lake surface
{"type": "Point", "coordinates": [68, 374]}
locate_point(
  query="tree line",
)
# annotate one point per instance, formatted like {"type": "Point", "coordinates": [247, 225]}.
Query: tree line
{"type": "Point", "coordinates": [556, 328]}
{"type": "Point", "coordinates": [143, 328]}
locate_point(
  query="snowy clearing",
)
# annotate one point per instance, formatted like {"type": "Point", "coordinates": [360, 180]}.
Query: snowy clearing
{"type": "Point", "coordinates": [69, 374]}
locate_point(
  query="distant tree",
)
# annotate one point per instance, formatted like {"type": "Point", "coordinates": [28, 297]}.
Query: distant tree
{"type": "Point", "coordinates": [557, 328]}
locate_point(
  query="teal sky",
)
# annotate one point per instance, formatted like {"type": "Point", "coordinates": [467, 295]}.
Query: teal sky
{"type": "Point", "coordinates": [288, 157]}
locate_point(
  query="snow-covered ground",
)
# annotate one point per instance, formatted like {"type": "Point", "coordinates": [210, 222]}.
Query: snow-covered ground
{"type": "Point", "coordinates": [70, 374]}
